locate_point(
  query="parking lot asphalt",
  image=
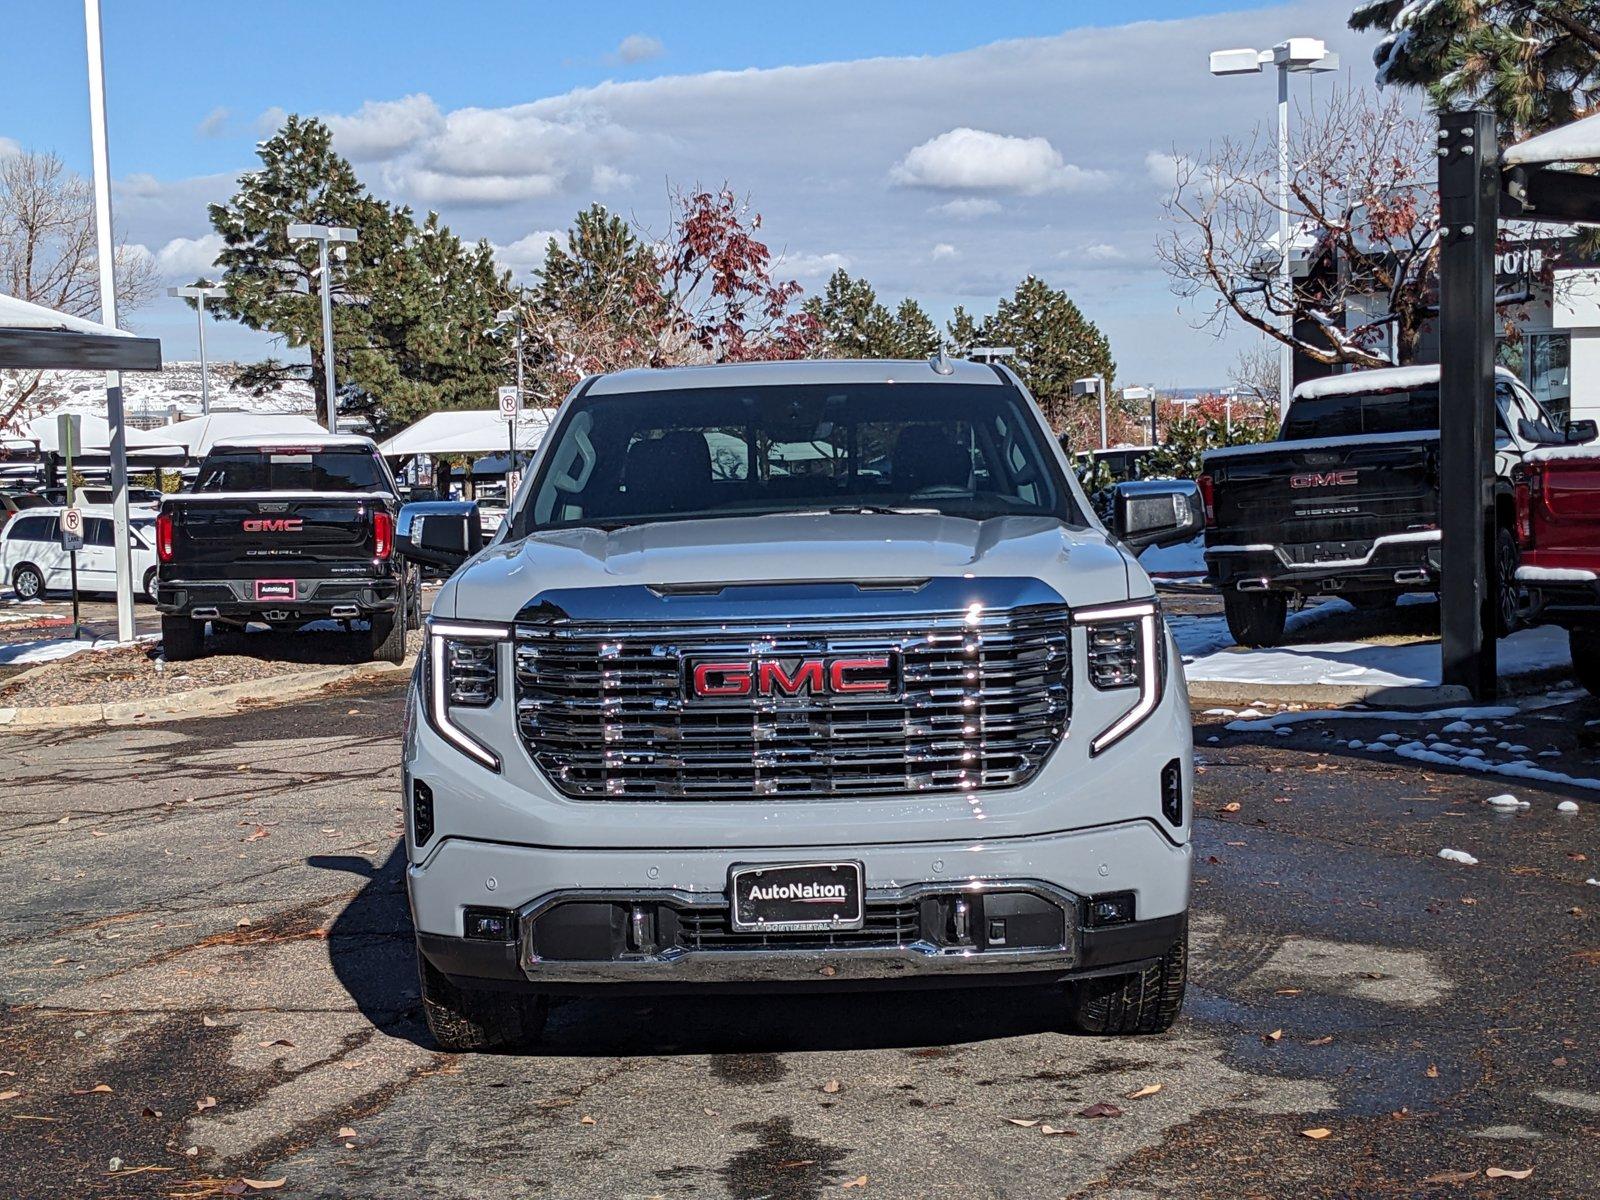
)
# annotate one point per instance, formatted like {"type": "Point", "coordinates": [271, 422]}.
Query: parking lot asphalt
{"type": "Point", "coordinates": [207, 978]}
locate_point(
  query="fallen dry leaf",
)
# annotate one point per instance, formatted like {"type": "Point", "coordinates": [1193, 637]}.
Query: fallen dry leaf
{"type": "Point", "coordinates": [1275, 1035]}
{"type": "Point", "coordinates": [1103, 1109]}
{"type": "Point", "coordinates": [346, 1132]}
{"type": "Point", "coordinates": [832, 1086]}
{"type": "Point", "coordinates": [1451, 1177]}
{"type": "Point", "coordinates": [278, 1042]}
{"type": "Point", "coordinates": [1288, 992]}
{"type": "Point", "coordinates": [102, 1088]}
{"type": "Point", "coordinates": [264, 1185]}
{"type": "Point", "coordinates": [1009, 1121]}
{"type": "Point", "coordinates": [260, 831]}
{"type": "Point", "coordinates": [1149, 1089]}
{"type": "Point", "coordinates": [11, 1095]}
{"type": "Point", "coordinates": [1503, 1173]}
{"type": "Point", "coordinates": [208, 1022]}
{"type": "Point", "coordinates": [1232, 806]}
{"type": "Point", "coordinates": [860, 1181]}
{"type": "Point", "coordinates": [1321, 1041]}
{"type": "Point", "coordinates": [204, 1103]}
{"type": "Point", "coordinates": [586, 1119]}
{"type": "Point", "coordinates": [1316, 1135]}
{"type": "Point", "coordinates": [1432, 1072]}
{"type": "Point", "coordinates": [1052, 1131]}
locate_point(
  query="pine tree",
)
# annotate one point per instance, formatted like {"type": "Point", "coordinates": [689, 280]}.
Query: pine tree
{"type": "Point", "coordinates": [856, 324]}
{"type": "Point", "coordinates": [1054, 343]}
{"type": "Point", "coordinates": [1535, 62]}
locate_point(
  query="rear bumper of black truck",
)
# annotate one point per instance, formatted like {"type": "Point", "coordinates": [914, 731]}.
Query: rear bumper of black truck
{"type": "Point", "coordinates": [278, 601]}
{"type": "Point", "coordinates": [1396, 562]}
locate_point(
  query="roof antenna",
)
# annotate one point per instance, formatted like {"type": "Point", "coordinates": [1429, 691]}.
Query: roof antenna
{"type": "Point", "coordinates": [940, 363]}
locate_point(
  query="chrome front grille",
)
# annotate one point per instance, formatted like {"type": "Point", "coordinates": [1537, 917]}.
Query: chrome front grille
{"type": "Point", "coordinates": [983, 697]}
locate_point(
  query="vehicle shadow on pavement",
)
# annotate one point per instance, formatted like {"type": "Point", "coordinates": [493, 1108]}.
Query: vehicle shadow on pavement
{"type": "Point", "coordinates": [382, 981]}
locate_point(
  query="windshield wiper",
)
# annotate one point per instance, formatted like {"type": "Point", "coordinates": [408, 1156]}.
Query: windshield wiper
{"type": "Point", "coordinates": [842, 510]}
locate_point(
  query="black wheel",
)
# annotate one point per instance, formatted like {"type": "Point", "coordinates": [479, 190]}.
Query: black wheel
{"type": "Point", "coordinates": [1146, 1001]}
{"type": "Point", "coordinates": [1508, 592]}
{"type": "Point", "coordinates": [182, 638]}
{"type": "Point", "coordinates": [149, 587]}
{"type": "Point", "coordinates": [414, 606]}
{"type": "Point", "coordinates": [1585, 644]}
{"type": "Point", "coordinates": [28, 581]}
{"type": "Point", "coordinates": [387, 635]}
{"type": "Point", "coordinates": [1256, 618]}
{"type": "Point", "coordinates": [463, 1021]}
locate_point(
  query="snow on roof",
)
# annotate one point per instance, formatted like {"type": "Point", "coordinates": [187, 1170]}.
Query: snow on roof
{"type": "Point", "coordinates": [22, 314]}
{"type": "Point", "coordinates": [199, 434]}
{"type": "Point", "coordinates": [1383, 379]}
{"type": "Point", "coordinates": [791, 371]}
{"type": "Point", "coordinates": [467, 431]}
{"type": "Point", "coordinates": [293, 437]}
{"type": "Point", "coordinates": [1577, 142]}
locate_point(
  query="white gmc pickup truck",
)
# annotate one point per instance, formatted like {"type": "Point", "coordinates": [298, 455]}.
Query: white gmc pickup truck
{"type": "Point", "coordinates": [810, 674]}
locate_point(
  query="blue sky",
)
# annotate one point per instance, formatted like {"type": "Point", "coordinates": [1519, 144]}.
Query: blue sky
{"type": "Point", "coordinates": [509, 117]}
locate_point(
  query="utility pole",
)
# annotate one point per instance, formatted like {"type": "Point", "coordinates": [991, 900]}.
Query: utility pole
{"type": "Point", "coordinates": [199, 295]}
{"type": "Point", "coordinates": [322, 235]}
{"type": "Point", "coordinates": [106, 252]}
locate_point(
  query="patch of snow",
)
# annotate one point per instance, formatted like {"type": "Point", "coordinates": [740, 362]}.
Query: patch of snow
{"type": "Point", "coordinates": [45, 650]}
{"type": "Point", "coordinates": [1460, 856]}
{"type": "Point", "coordinates": [1521, 769]}
{"type": "Point", "coordinates": [1506, 801]}
{"type": "Point", "coordinates": [1567, 806]}
{"type": "Point", "coordinates": [1457, 727]}
{"type": "Point", "coordinates": [1549, 754]}
{"type": "Point", "coordinates": [1363, 714]}
{"type": "Point", "coordinates": [1555, 575]}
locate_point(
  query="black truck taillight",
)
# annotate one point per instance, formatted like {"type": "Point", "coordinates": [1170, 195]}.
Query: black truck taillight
{"type": "Point", "coordinates": [382, 534]}
{"type": "Point", "coordinates": [1208, 498]}
{"type": "Point", "coordinates": [164, 537]}
{"type": "Point", "coordinates": [1523, 481]}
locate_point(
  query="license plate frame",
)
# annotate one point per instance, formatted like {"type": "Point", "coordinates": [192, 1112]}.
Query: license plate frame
{"type": "Point", "coordinates": [274, 589]}
{"type": "Point", "coordinates": [752, 913]}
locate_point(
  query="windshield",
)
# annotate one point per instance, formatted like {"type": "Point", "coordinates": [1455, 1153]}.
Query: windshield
{"type": "Point", "coordinates": [962, 450]}
{"type": "Point", "coordinates": [293, 470]}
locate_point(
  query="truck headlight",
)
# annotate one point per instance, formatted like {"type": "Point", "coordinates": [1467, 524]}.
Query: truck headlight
{"type": "Point", "coordinates": [1126, 650]}
{"type": "Point", "coordinates": [463, 672]}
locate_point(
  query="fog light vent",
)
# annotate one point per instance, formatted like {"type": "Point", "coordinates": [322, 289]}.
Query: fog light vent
{"type": "Point", "coordinates": [1172, 792]}
{"type": "Point", "coordinates": [489, 925]}
{"type": "Point", "coordinates": [421, 813]}
{"type": "Point", "coordinates": [1114, 908]}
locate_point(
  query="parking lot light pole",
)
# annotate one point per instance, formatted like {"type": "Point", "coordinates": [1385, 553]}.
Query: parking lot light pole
{"type": "Point", "coordinates": [199, 295]}
{"type": "Point", "coordinates": [1297, 55]}
{"type": "Point", "coordinates": [1094, 385]}
{"type": "Point", "coordinates": [322, 235]}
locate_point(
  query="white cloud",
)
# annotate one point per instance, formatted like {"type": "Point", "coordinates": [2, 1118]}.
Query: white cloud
{"type": "Point", "coordinates": [379, 129]}
{"type": "Point", "coordinates": [188, 258]}
{"type": "Point", "coordinates": [964, 159]}
{"type": "Point", "coordinates": [810, 266]}
{"type": "Point", "coordinates": [968, 208]}
{"type": "Point", "coordinates": [639, 47]}
{"type": "Point", "coordinates": [525, 255]}
{"type": "Point", "coordinates": [944, 250]}
{"type": "Point", "coordinates": [214, 123]}
{"type": "Point", "coordinates": [1162, 168]}
{"type": "Point", "coordinates": [1100, 252]}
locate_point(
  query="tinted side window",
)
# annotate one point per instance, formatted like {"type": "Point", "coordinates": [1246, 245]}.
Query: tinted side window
{"type": "Point", "coordinates": [32, 529]}
{"type": "Point", "coordinates": [97, 531]}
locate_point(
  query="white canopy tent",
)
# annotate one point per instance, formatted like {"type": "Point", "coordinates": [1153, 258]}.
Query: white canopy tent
{"type": "Point", "coordinates": [466, 431]}
{"type": "Point", "coordinates": [198, 434]}
{"type": "Point", "coordinates": [96, 438]}
{"type": "Point", "coordinates": [1574, 143]}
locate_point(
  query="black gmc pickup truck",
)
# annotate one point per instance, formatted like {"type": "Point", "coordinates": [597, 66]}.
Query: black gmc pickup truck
{"type": "Point", "coordinates": [283, 531]}
{"type": "Point", "coordinates": [1346, 502]}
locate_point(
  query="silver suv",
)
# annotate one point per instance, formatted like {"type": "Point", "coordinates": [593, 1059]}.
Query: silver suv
{"type": "Point", "coordinates": [801, 673]}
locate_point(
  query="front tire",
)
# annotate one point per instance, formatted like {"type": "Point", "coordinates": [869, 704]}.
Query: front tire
{"type": "Point", "coordinates": [464, 1021]}
{"type": "Point", "coordinates": [1256, 618]}
{"type": "Point", "coordinates": [1508, 592]}
{"type": "Point", "coordinates": [28, 582]}
{"type": "Point", "coordinates": [149, 585]}
{"type": "Point", "coordinates": [1146, 1001]}
{"type": "Point", "coordinates": [182, 638]}
{"type": "Point", "coordinates": [1585, 646]}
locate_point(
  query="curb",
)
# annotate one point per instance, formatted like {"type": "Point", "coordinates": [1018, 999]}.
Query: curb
{"type": "Point", "coordinates": [1339, 695]}
{"type": "Point", "coordinates": [202, 702]}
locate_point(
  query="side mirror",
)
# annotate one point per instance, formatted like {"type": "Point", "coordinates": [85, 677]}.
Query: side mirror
{"type": "Point", "coordinates": [1157, 512]}
{"type": "Point", "coordinates": [1582, 431]}
{"type": "Point", "coordinates": [439, 533]}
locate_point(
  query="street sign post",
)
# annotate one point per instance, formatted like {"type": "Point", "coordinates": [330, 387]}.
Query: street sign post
{"type": "Point", "coordinates": [72, 542]}
{"type": "Point", "coordinates": [510, 398]}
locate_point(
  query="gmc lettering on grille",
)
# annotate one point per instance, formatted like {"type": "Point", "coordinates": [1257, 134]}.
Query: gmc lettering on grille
{"type": "Point", "coordinates": [834, 676]}
{"type": "Point", "coordinates": [1317, 479]}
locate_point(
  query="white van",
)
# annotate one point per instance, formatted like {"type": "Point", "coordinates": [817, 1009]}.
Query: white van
{"type": "Point", "coordinates": [33, 562]}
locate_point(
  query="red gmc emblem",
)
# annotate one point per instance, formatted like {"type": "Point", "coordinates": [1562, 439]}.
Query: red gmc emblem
{"type": "Point", "coordinates": [1315, 479]}
{"type": "Point", "coordinates": [273, 524]}
{"type": "Point", "coordinates": [820, 676]}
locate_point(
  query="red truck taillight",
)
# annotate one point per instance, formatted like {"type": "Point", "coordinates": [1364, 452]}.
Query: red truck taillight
{"type": "Point", "coordinates": [1208, 498]}
{"type": "Point", "coordinates": [164, 537]}
{"type": "Point", "coordinates": [1523, 482]}
{"type": "Point", "coordinates": [382, 534]}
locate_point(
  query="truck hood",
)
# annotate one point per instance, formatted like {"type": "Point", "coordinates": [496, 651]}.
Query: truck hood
{"type": "Point", "coordinates": [1080, 564]}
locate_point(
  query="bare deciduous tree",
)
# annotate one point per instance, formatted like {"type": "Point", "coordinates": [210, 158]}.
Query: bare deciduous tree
{"type": "Point", "coordinates": [1364, 217]}
{"type": "Point", "coordinates": [48, 257]}
{"type": "Point", "coordinates": [1254, 376]}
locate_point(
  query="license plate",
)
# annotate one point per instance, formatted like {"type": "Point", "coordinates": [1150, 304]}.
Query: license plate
{"type": "Point", "coordinates": [276, 589]}
{"type": "Point", "coordinates": [796, 897]}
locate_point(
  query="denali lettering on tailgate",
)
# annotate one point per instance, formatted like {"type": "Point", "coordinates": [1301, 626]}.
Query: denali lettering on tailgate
{"type": "Point", "coordinates": [1316, 479]}
{"type": "Point", "coordinates": [273, 524]}
{"type": "Point", "coordinates": [792, 676]}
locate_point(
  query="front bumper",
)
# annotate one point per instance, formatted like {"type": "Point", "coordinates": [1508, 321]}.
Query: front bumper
{"type": "Point", "coordinates": [602, 919]}
{"type": "Point", "coordinates": [1410, 560]}
{"type": "Point", "coordinates": [314, 598]}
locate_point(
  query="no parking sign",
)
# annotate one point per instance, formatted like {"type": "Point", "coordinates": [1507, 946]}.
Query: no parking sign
{"type": "Point", "coordinates": [72, 529]}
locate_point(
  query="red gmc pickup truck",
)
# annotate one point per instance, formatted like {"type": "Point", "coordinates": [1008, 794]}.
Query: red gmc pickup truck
{"type": "Point", "coordinates": [1557, 496]}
